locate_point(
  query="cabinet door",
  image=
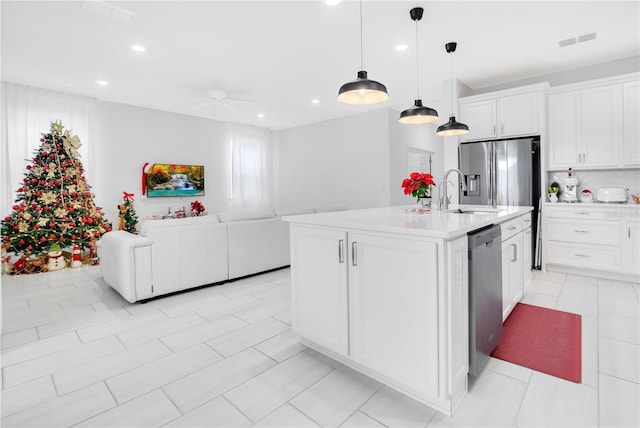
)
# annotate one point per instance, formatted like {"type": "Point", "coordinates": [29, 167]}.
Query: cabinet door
{"type": "Point", "coordinates": [511, 273]}
{"type": "Point", "coordinates": [527, 255]}
{"type": "Point", "coordinates": [480, 117]}
{"type": "Point", "coordinates": [631, 247]}
{"type": "Point", "coordinates": [631, 126]}
{"type": "Point", "coordinates": [564, 130]}
{"type": "Point", "coordinates": [518, 115]}
{"type": "Point", "coordinates": [394, 285]}
{"type": "Point", "coordinates": [601, 126]}
{"type": "Point", "coordinates": [319, 287]}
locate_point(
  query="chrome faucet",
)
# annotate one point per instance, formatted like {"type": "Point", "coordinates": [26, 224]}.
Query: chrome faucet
{"type": "Point", "coordinates": [444, 196]}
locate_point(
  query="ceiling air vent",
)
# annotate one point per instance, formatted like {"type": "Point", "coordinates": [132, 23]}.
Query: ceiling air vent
{"type": "Point", "coordinates": [579, 39]}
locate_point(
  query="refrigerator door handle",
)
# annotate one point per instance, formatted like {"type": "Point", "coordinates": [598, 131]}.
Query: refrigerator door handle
{"type": "Point", "coordinates": [492, 175]}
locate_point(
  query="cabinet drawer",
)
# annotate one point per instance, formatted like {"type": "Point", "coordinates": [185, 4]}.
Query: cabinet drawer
{"type": "Point", "coordinates": [593, 232]}
{"type": "Point", "coordinates": [510, 228]}
{"type": "Point", "coordinates": [582, 212]}
{"type": "Point", "coordinates": [588, 256]}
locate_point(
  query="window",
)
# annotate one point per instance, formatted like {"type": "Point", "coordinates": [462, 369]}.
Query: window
{"type": "Point", "coordinates": [250, 167]}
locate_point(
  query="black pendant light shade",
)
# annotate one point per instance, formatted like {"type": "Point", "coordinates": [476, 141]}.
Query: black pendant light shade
{"type": "Point", "coordinates": [417, 113]}
{"type": "Point", "coordinates": [452, 128]}
{"type": "Point", "coordinates": [362, 91]}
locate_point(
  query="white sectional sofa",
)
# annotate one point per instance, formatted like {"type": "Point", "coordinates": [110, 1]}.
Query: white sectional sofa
{"type": "Point", "coordinates": [171, 255]}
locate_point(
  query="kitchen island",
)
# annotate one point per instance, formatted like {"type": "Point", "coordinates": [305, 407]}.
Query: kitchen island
{"type": "Point", "coordinates": [385, 291]}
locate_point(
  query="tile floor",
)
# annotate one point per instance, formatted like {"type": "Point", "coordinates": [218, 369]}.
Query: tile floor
{"type": "Point", "coordinates": [74, 353]}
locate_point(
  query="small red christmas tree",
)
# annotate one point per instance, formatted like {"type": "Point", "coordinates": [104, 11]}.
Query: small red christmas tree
{"type": "Point", "coordinates": [54, 203]}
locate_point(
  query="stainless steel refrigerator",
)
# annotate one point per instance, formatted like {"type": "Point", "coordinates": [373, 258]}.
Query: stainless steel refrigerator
{"type": "Point", "coordinates": [502, 172]}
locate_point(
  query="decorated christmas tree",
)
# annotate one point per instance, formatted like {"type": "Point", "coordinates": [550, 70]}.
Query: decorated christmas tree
{"type": "Point", "coordinates": [54, 204]}
{"type": "Point", "coordinates": [128, 216]}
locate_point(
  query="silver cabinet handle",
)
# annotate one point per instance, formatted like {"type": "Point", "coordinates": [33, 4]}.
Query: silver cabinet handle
{"type": "Point", "coordinates": [354, 253]}
{"type": "Point", "coordinates": [341, 251]}
{"type": "Point", "coordinates": [515, 252]}
{"type": "Point", "coordinates": [511, 228]}
{"type": "Point", "coordinates": [581, 231]}
{"type": "Point", "coordinates": [582, 255]}
{"type": "Point", "coordinates": [502, 128]}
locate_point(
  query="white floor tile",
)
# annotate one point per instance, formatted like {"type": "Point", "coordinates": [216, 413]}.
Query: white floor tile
{"type": "Point", "coordinates": [544, 287]}
{"type": "Point", "coordinates": [20, 337]}
{"type": "Point", "coordinates": [336, 397]}
{"type": "Point", "coordinates": [613, 288]}
{"type": "Point", "coordinates": [265, 310]}
{"type": "Point", "coordinates": [118, 325]}
{"type": "Point", "coordinates": [588, 289]}
{"type": "Point", "coordinates": [360, 420]}
{"type": "Point", "coordinates": [108, 366]}
{"type": "Point", "coordinates": [590, 364]}
{"type": "Point", "coordinates": [285, 417]}
{"type": "Point", "coordinates": [66, 410]}
{"type": "Point", "coordinates": [79, 321]}
{"type": "Point", "coordinates": [589, 330]}
{"type": "Point", "coordinates": [578, 304]}
{"type": "Point", "coordinates": [266, 392]}
{"type": "Point", "coordinates": [618, 402]}
{"type": "Point", "coordinates": [619, 306]}
{"type": "Point", "coordinates": [282, 346]}
{"type": "Point", "coordinates": [60, 360]}
{"type": "Point", "coordinates": [619, 327]}
{"type": "Point", "coordinates": [493, 400]}
{"type": "Point", "coordinates": [543, 300]}
{"type": "Point", "coordinates": [549, 276]}
{"type": "Point", "coordinates": [27, 395]}
{"type": "Point", "coordinates": [159, 329]}
{"type": "Point", "coordinates": [248, 336]}
{"type": "Point", "coordinates": [523, 374]}
{"type": "Point", "coordinates": [202, 332]}
{"type": "Point", "coordinates": [208, 383]}
{"type": "Point", "coordinates": [554, 402]}
{"type": "Point", "coordinates": [214, 413]}
{"type": "Point", "coordinates": [619, 359]}
{"type": "Point", "coordinates": [149, 410]}
{"type": "Point", "coordinates": [161, 372]}
{"type": "Point", "coordinates": [222, 309]}
{"type": "Point", "coordinates": [396, 410]}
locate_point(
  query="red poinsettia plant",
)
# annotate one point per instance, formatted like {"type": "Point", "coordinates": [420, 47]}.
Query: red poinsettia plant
{"type": "Point", "coordinates": [197, 208]}
{"type": "Point", "coordinates": [418, 185]}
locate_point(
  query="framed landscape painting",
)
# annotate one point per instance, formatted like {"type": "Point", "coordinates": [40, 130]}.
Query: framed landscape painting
{"type": "Point", "coordinates": [175, 180]}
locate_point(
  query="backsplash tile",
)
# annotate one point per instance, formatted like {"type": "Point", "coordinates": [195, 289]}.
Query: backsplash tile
{"type": "Point", "coordinates": [594, 179]}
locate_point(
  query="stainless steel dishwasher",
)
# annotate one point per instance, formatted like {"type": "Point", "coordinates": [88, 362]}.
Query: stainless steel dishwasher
{"type": "Point", "coordinates": [485, 295]}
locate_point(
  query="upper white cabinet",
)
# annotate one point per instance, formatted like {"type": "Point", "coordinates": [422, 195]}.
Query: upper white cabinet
{"type": "Point", "coordinates": [594, 124]}
{"type": "Point", "coordinates": [503, 114]}
{"type": "Point", "coordinates": [631, 124]}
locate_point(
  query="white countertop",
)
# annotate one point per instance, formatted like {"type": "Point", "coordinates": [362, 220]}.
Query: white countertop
{"type": "Point", "coordinates": [435, 224]}
{"type": "Point", "coordinates": [595, 205]}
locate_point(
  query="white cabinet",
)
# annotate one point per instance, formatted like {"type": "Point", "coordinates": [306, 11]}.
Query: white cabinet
{"type": "Point", "coordinates": [503, 114]}
{"type": "Point", "coordinates": [631, 245]}
{"type": "Point", "coordinates": [527, 251]}
{"type": "Point", "coordinates": [394, 297]}
{"type": "Point", "coordinates": [592, 240]}
{"type": "Point", "coordinates": [594, 124]}
{"type": "Point", "coordinates": [631, 124]}
{"type": "Point", "coordinates": [512, 265]}
{"type": "Point", "coordinates": [319, 270]}
{"type": "Point", "coordinates": [393, 306]}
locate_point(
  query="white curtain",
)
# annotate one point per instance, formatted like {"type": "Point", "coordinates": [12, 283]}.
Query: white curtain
{"type": "Point", "coordinates": [25, 114]}
{"type": "Point", "coordinates": [251, 167]}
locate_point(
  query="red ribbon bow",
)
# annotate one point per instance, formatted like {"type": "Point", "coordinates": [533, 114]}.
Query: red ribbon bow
{"type": "Point", "coordinates": [127, 196]}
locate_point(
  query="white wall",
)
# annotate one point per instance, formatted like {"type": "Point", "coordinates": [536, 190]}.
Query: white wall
{"type": "Point", "coordinates": [127, 137]}
{"type": "Point", "coordinates": [336, 164]}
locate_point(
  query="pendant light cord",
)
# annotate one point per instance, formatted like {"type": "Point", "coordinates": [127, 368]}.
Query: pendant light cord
{"type": "Point", "coordinates": [451, 68]}
{"type": "Point", "coordinates": [417, 62]}
{"type": "Point", "coordinates": [361, 40]}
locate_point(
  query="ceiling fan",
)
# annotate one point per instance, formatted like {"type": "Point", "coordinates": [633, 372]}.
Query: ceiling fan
{"type": "Point", "coordinates": [218, 98]}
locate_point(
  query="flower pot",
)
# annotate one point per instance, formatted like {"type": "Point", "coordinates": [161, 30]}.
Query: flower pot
{"type": "Point", "coordinates": [425, 202]}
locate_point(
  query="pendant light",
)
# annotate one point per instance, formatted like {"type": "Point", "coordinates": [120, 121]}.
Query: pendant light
{"type": "Point", "coordinates": [418, 113]}
{"type": "Point", "coordinates": [362, 90]}
{"type": "Point", "coordinates": [452, 128]}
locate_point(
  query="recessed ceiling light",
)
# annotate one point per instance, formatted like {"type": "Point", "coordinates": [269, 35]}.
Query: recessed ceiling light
{"type": "Point", "coordinates": [332, 2]}
{"type": "Point", "coordinates": [102, 82]}
{"type": "Point", "coordinates": [138, 48]}
{"type": "Point", "coordinates": [315, 101]}
{"type": "Point", "coordinates": [261, 115]}
{"type": "Point", "coordinates": [401, 48]}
